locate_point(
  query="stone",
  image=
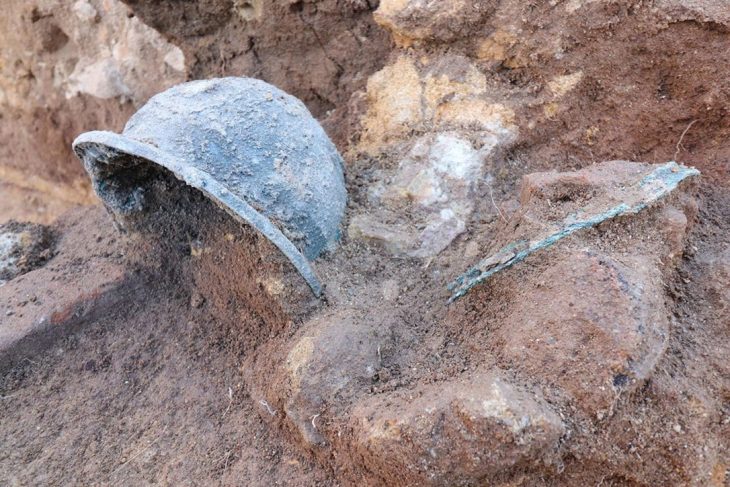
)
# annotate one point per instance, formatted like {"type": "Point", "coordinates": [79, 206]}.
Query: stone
{"type": "Point", "coordinates": [369, 229]}
{"type": "Point", "coordinates": [107, 54]}
{"type": "Point", "coordinates": [595, 327]}
{"type": "Point", "coordinates": [439, 233]}
{"type": "Point", "coordinates": [560, 86]}
{"type": "Point", "coordinates": [85, 11]}
{"type": "Point", "coordinates": [419, 207]}
{"type": "Point", "coordinates": [175, 59]}
{"type": "Point", "coordinates": [673, 225]}
{"type": "Point", "coordinates": [394, 104]}
{"type": "Point", "coordinates": [701, 10]}
{"type": "Point", "coordinates": [390, 289]}
{"type": "Point", "coordinates": [497, 46]}
{"type": "Point", "coordinates": [23, 246]}
{"type": "Point", "coordinates": [337, 357]}
{"type": "Point", "coordinates": [714, 279]}
{"type": "Point", "coordinates": [102, 79]}
{"type": "Point", "coordinates": [118, 67]}
{"type": "Point", "coordinates": [571, 6]}
{"type": "Point", "coordinates": [248, 10]}
{"type": "Point", "coordinates": [417, 21]}
{"type": "Point", "coordinates": [438, 168]}
{"type": "Point", "coordinates": [443, 93]}
{"type": "Point", "coordinates": [455, 433]}
{"type": "Point", "coordinates": [585, 309]}
{"type": "Point", "coordinates": [436, 182]}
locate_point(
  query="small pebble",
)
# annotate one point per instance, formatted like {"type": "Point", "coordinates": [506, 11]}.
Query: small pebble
{"type": "Point", "coordinates": [390, 290]}
{"type": "Point", "coordinates": [196, 300]}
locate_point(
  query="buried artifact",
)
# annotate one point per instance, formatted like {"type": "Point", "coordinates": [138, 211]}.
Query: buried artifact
{"type": "Point", "coordinates": [632, 198]}
{"type": "Point", "coordinates": [254, 150]}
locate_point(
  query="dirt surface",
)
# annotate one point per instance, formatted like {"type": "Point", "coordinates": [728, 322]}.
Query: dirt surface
{"type": "Point", "coordinates": [170, 386]}
{"type": "Point", "coordinates": [645, 80]}
{"type": "Point", "coordinates": [193, 329]}
{"type": "Point", "coordinates": [149, 394]}
{"type": "Point", "coordinates": [600, 361]}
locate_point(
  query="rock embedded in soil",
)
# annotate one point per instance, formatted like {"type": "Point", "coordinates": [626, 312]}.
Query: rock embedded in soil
{"type": "Point", "coordinates": [704, 10]}
{"type": "Point", "coordinates": [416, 21]}
{"type": "Point", "coordinates": [459, 430]}
{"type": "Point", "coordinates": [591, 325]}
{"type": "Point", "coordinates": [431, 94]}
{"type": "Point", "coordinates": [419, 207]}
{"type": "Point", "coordinates": [455, 433]}
{"type": "Point", "coordinates": [23, 247]}
{"type": "Point", "coordinates": [437, 180]}
{"type": "Point", "coordinates": [337, 358]}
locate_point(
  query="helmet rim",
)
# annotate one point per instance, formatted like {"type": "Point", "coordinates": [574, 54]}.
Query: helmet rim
{"type": "Point", "coordinates": [97, 148]}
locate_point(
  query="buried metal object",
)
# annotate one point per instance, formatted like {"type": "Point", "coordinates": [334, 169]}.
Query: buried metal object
{"type": "Point", "coordinates": [254, 150]}
{"type": "Point", "coordinates": [658, 183]}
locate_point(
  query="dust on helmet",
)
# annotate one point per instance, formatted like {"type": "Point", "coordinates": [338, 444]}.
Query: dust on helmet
{"type": "Point", "coordinates": [253, 149]}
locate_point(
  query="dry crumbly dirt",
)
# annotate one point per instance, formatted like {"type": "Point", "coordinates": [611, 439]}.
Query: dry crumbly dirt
{"type": "Point", "coordinates": [193, 384]}
{"type": "Point", "coordinates": [176, 347]}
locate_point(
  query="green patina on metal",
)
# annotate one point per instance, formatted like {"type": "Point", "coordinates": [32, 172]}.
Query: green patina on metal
{"type": "Point", "coordinates": [654, 186]}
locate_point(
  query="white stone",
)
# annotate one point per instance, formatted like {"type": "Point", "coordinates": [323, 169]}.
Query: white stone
{"type": "Point", "coordinates": [175, 59]}
{"type": "Point", "coordinates": [115, 54]}
{"type": "Point", "coordinates": [455, 157]}
{"type": "Point", "coordinates": [101, 79]}
{"type": "Point", "coordinates": [439, 233]}
{"type": "Point", "coordinates": [390, 289]}
{"type": "Point", "coordinates": [84, 11]}
{"type": "Point", "coordinates": [438, 177]}
{"type": "Point", "coordinates": [9, 242]}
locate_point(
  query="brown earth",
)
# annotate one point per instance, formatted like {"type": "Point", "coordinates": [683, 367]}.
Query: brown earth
{"type": "Point", "coordinates": [221, 375]}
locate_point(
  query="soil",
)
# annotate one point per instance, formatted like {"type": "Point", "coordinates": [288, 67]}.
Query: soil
{"type": "Point", "coordinates": [176, 387]}
{"type": "Point", "coordinates": [190, 385]}
{"type": "Point", "coordinates": [149, 394]}
{"type": "Point", "coordinates": [179, 346]}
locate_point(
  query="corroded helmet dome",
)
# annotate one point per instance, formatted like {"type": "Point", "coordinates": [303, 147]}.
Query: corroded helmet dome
{"type": "Point", "coordinates": [253, 149]}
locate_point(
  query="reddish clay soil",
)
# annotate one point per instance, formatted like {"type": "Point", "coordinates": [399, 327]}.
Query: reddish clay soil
{"type": "Point", "coordinates": [184, 384]}
{"type": "Point", "coordinates": [190, 382]}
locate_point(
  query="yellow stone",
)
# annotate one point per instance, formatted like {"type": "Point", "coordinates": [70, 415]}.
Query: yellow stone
{"type": "Point", "coordinates": [394, 104]}
{"type": "Point", "coordinates": [496, 46]}
{"type": "Point", "coordinates": [475, 113]}
{"type": "Point", "coordinates": [298, 358]}
{"type": "Point", "coordinates": [439, 88]}
{"type": "Point", "coordinates": [562, 85]}
{"type": "Point", "coordinates": [405, 97]}
{"type": "Point", "coordinates": [550, 109]}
